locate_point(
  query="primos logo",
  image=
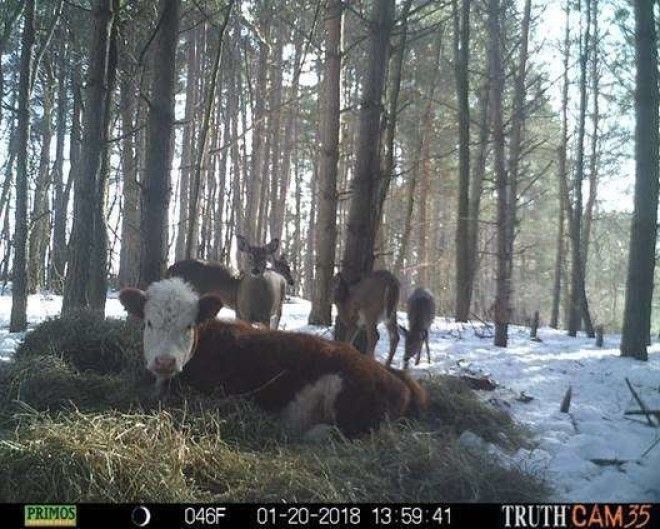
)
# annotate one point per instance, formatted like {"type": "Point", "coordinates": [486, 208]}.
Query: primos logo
{"type": "Point", "coordinates": [50, 515]}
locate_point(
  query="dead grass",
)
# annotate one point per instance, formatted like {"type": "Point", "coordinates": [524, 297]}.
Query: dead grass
{"type": "Point", "coordinates": [75, 430]}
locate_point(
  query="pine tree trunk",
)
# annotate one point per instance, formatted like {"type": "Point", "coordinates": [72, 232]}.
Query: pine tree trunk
{"type": "Point", "coordinates": [62, 190]}
{"type": "Point", "coordinates": [254, 176]}
{"type": "Point", "coordinates": [97, 285]}
{"type": "Point", "coordinates": [40, 224]}
{"type": "Point", "coordinates": [578, 300]}
{"type": "Point", "coordinates": [129, 256]}
{"type": "Point", "coordinates": [359, 251]}
{"type": "Point", "coordinates": [496, 72]}
{"type": "Point", "coordinates": [202, 140]}
{"type": "Point", "coordinates": [326, 229]}
{"type": "Point", "coordinates": [595, 140]}
{"type": "Point", "coordinates": [476, 185]}
{"type": "Point", "coordinates": [155, 187]}
{"type": "Point", "coordinates": [461, 59]}
{"type": "Point", "coordinates": [18, 319]}
{"type": "Point", "coordinates": [641, 262]}
{"type": "Point", "coordinates": [564, 201]}
{"type": "Point", "coordinates": [186, 150]}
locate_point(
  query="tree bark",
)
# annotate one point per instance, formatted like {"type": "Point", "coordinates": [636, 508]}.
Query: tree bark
{"type": "Point", "coordinates": [62, 190]}
{"type": "Point", "coordinates": [40, 224]}
{"type": "Point", "coordinates": [496, 72]}
{"type": "Point", "coordinates": [461, 59]}
{"type": "Point", "coordinates": [186, 148]}
{"type": "Point", "coordinates": [564, 202]}
{"type": "Point", "coordinates": [326, 229]}
{"type": "Point", "coordinates": [18, 318]}
{"type": "Point", "coordinates": [641, 261]}
{"type": "Point", "coordinates": [359, 252]}
{"type": "Point", "coordinates": [578, 303]}
{"type": "Point", "coordinates": [156, 184]}
{"type": "Point", "coordinates": [129, 256]}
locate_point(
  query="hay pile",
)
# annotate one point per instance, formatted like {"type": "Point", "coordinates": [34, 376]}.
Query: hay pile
{"type": "Point", "coordinates": [77, 424]}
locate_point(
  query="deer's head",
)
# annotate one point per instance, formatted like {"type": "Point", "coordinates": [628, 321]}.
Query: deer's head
{"type": "Point", "coordinates": [257, 255]}
{"type": "Point", "coordinates": [282, 267]}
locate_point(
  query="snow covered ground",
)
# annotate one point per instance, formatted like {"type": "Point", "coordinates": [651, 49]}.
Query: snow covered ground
{"type": "Point", "coordinates": [594, 453]}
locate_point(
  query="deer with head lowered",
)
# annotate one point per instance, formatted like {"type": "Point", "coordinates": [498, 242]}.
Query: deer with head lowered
{"type": "Point", "coordinates": [421, 312]}
{"type": "Point", "coordinates": [363, 305]}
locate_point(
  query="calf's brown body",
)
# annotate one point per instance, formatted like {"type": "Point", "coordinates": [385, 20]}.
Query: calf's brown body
{"type": "Point", "coordinates": [307, 379]}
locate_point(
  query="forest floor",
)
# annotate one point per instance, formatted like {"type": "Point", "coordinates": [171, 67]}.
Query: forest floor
{"type": "Point", "coordinates": [592, 453]}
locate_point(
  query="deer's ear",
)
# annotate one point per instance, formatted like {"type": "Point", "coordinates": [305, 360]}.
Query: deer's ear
{"type": "Point", "coordinates": [133, 300]}
{"type": "Point", "coordinates": [207, 307]}
{"type": "Point", "coordinates": [272, 246]}
{"type": "Point", "coordinates": [242, 243]}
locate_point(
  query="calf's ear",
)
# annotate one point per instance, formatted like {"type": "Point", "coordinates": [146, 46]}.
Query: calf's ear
{"type": "Point", "coordinates": [133, 300]}
{"type": "Point", "coordinates": [208, 306]}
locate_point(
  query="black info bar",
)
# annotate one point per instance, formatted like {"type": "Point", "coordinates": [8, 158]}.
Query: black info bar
{"type": "Point", "coordinates": [371, 515]}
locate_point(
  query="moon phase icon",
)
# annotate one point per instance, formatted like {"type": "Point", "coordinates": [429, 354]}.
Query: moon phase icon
{"type": "Point", "coordinates": [141, 516]}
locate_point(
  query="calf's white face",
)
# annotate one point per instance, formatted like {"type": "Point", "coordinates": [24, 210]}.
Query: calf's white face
{"type": "Point", "coordinates": [170, 310]}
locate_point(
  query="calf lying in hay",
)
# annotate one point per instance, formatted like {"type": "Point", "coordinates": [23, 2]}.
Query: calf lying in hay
{"type": "Point", "coordinates": [310, 381]}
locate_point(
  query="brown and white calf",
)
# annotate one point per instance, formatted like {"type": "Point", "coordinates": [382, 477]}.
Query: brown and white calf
{"type": "Point", "coordinates": [363, 305]}
{"type": "Point", "coordinates": [310, 382]}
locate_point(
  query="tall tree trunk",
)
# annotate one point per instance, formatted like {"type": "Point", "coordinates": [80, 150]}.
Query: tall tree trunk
{"type": "Point", "coordinates": [156, 184]}
{"type": "Point", "coordinates": [595, 140]}
{"type": "Point", "coordinates": [18, 319]}
{"type": "Point", "coordinates": [279, 209]}
{"type": "Point", "coordinates": [61, 199]}
{"type": "Point", "coordinates": [186, 148]}
{"type": "Point", "coordinates": [254, 177]}
{"type": "Point", "coordinates": [326, 229]}
{"type": "Point", "coordinates": [275, 133]}
{"type": "Point", "coordinates": [201, 146]}
{"type": "Point", "coordinates": [476, 185]}
{"type": "Point", "coordinates": [359, 252]}
{"type": "Point", "coordinates": [641, 261]}
{"type": "Point", "coordinates": [496, 72]}
{"type": "Point", "coordinates": [129, 256]}
{"type": "Point", "coordinates": [97, 285]}
{"type": "Point", "coordinates": [461, 59]}
{"type": "Point", "coordinates": [564, 201]}
{"type": "Point", "coordinates": [78, 274]}
{"type": "Point", "coordinates": [40, 224]}
{"type": "Point", "coordinates": [393, 89]}
{"type": "Point", "coordinates": [424, 129]}
{"type": "Point", "coordinates": [578, 306]}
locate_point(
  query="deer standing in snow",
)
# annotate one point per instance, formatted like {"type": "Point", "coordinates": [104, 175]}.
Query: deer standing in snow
{"type": "Point", "coordinates": [365, 304]}
{"type": "Point", "coordinates": [421, 313]}
{"type": "Point", "coordinates": [256, 296]}
{"type": "Point", "coordinates": [261, 292]}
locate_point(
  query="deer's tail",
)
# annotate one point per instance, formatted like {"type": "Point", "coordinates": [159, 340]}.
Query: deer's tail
{"type": "Point", "coordinates": [419, 397]}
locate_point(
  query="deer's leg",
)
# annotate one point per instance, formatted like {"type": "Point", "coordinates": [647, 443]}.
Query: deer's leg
{"type": "Point", "coordinates": [372, 339]}
{"type": "Point", "coordinates": [393, 331]}
{"type": "Point", "coordinates": [352, 332]}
